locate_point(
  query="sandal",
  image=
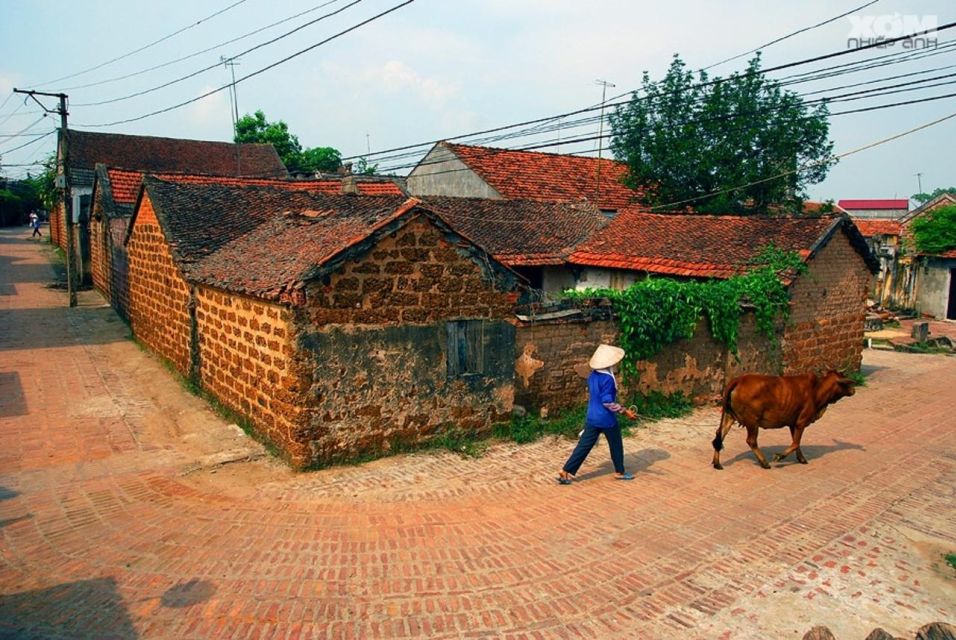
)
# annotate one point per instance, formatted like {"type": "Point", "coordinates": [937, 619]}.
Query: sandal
{"type": "Point", "coordinates": [564, 480]}
{"type": "Point", "coordinates": [625, 476]}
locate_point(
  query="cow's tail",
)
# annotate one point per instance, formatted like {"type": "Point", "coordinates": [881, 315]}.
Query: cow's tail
{"type": "Point", "coordinates": [725, 411]}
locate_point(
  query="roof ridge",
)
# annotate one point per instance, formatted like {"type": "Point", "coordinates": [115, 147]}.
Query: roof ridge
{"type": "Point", "coordinates": [539, 153]}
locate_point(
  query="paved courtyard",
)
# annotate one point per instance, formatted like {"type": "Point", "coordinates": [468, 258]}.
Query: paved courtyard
{"type": "Point", "coordinates": [129, 509]}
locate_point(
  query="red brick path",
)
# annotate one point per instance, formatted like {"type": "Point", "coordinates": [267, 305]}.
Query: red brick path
{"type": "Point", "coordinates": [114, 524]}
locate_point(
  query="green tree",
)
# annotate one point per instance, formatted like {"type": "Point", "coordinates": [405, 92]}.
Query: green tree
{"type": "Point", "coordinates": [255, 128]}
{"type": "Point", "coordinates": [922, 198]}
{"type": "Point", "coordinates": [691, 136]}
{"type": "Point", "coordinates": [935, 232]}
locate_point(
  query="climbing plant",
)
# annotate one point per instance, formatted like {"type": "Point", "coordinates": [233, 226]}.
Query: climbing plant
{"type": "Point", "coordinates": [656, 312]}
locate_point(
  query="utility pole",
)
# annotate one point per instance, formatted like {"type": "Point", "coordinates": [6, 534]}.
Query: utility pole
{"type": "Point", "coordinates": [919, 181]}
{"type": "Point", "coordinates": [234, 97]}
{"type": "Point", "coordinates": [67, 194]}
{"type": "Point", "coordinates": [604, 85]}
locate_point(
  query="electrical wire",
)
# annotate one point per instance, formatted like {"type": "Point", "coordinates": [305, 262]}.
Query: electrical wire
{"type": "Point", "coordinates": [790, 35]}
{"type": "Point", "coordinates": [216, 65]}
{"type": "Point", "coordinates": [143, 48]}
{"type": "Point", "coordinates": [34, 141]}
{"type": "Point", "coordinates": [608, 103]}
{"type": "Point", "coordinates": [23, 131]}
{"type": "Point", "coordinates": [830, 158]}
{"type": "Point", "coordinates": [581, 122]}
{"type": "Point", "coordinates": [197, 53]}
{"type": "Point", "coordinates": [254, 73]}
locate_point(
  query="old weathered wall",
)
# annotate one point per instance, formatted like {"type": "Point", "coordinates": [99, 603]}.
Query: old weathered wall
{"type": "Point", "coordinates": [550, 356]}
{"type": "Point", "coordinates": [100, 254]}
{"type": "Point", "coordinates": [247, 359]}
{"type": "Point", "coordinates": [441, 173]}
{"type": "Point", "coordinates": [57, 225]}
{"type": "Point", "coordinates": [828, 306]}
{"type": "Point", "coordinates": [158, 295]}
{"type": "Point", "coordinates": [934, 275]}
{"type": "Point", "coordinates": [119, 266]}
{"type": "Point", "coordinates": [377, 387]}
{"type": "Point", "coordinates": [378, 337]}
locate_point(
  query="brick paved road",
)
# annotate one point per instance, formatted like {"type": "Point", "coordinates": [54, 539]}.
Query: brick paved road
{"type": "Point", "coordinates": [115, 520]}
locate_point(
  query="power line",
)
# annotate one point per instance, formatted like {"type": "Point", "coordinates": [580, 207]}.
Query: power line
{"type": "Point", "coordinates": [257, 72]}
{"type": "Point", "coordinates": [34, 141]}
{"type": "Point", "coordinates": [809, 164]}
{"type": "Point", "coordinates": [552, 143]}
{"type": "Point", "coordinates": [789, 65]}
{"type": "Point", "coordinates": [216, 65]}
{"type": "Point", "coordinates": [839, 97]}
{"type": "Point", "coordinates": [26, 128]}
{"type": "Point", "coordinates": [144, 47]}
{"type": "Point", "coordinates": [790, 35]}
{"type": "Point", "coordinates": [197, 53]}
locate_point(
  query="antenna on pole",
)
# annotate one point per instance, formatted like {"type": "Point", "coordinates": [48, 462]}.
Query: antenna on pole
{"type": "Point", "coordinates": [604, 85]}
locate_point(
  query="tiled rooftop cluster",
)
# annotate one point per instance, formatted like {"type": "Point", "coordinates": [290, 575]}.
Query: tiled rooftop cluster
{"type": "Point", "coordinates": [547, 176]}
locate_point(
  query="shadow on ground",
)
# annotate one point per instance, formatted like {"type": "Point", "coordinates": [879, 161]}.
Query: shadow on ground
{"type": "Point", "coordinates": [84, 609]}
{"type": "Point", "coordinates": [187, 594]}
{"type": "Point", "coordinates": [811, 452]}
{"type": "Point", "coordinates": [638, 462]}
{"type": "Point", "coordinates": [26, 329]}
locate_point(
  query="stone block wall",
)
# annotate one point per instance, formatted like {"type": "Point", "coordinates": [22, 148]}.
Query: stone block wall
{"type": "Point", "coordinates": [827, 311]}
{"type": "Point", "coordinates": [377, 336]}
{"type": "Point", "coordinates": [550, 355]}
{"type": "Point", "coordinates": [100, 253]}
{"type": "Point", "coordinates": [58, 225]}
{"type": "Point", "coordinates": [416, 277]}
{"type": "Point", "coordinates": [247, 359]}
{"type": "Point", "coordinates": [159, 297]}
{"type": "Point", "coordinates": [119, 265]}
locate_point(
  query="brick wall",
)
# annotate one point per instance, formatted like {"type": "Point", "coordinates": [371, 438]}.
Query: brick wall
{"type": "Point", "coordinates": [415, 277]}
{"type": "Point", "coordinates": [158, 295]}
{"type": "Point", "coordinates": [828, 306]}
{"type": "Point", "coordinates": [119, 266]}
{"type": "Point", "coordinates": [548, 354]}
{"type": "Point", "coordinates": [100, 254]}
{"type": "Point", "coordinates": [376, 336]}
{"type": "Point", "coordinates": [57, 224]}
{"type": "Point", "coordinates": [248, 360]}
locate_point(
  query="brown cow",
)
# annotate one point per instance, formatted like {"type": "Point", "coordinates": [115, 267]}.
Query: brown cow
{"type": "Point", "coordinates": [772, 402]}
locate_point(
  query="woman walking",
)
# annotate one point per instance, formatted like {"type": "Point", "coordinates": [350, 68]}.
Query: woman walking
{"type": "Point", "coordinates": [601, 416]}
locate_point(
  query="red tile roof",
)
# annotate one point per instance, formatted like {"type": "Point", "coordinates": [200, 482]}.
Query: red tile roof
{"type": "Point", "coordinates": [521, 232]}
{"type": "Point", "coordinates": [125, 184]}
{"type": "Point", "coordinates": [876, 226]}
{"type": "Point", "coordinates": [552, 177]}
{"type": "Point", "coordinates": [851, 205]}
{"type": "Point", "coordinates": [700, 246]}
{"type": "Point", "coordinates": [263, 240]}
{"type": "Point", "coordinates": [152, 154]}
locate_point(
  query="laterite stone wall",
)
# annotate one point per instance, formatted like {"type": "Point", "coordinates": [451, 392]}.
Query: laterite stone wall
{"type": "Point", "coordinates": [550, 357]}
{"type": "Point", "coordinates": [377, 339]}
{"type": "Point", "coordinates": [158, 295]}
{"type": "Point", "coordinates": [100, 254]}
{"type": "Point", "coordinates": [248, 360]}
{"type": "Point", "coordinates": [828, 307]}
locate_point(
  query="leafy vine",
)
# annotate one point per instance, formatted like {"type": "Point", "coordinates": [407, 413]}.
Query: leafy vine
{"type": "Point", "coordinates": [656, 312]}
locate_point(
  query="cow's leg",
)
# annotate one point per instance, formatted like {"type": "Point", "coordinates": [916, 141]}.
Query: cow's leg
{"type": "Point", "coordinates": [798, 435]}
{"type": "Point", "coordinates": [752, 441]}
{"type": "Point", "coordinates": [794, 446]}
{"type": "Point", "coordinates": [726, 422]}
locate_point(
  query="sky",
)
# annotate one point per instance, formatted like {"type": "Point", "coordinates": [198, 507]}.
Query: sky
{"type": "Point", "coordinates": [436, 69]}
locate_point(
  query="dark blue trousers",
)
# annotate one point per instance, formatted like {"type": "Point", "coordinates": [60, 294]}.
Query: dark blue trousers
{"type": "Point", "coordinates": [586, 443]}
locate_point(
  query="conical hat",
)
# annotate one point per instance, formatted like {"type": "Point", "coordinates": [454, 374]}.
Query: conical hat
{"type": "Point", "coordinates": [606, 356]}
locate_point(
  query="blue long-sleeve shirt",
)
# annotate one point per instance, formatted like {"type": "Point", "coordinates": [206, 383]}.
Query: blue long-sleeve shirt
{"type": "Point", "coordinates": [602, 401]}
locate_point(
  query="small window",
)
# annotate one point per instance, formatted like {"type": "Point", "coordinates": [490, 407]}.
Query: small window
{"type": "Point", "coordinates": [466, 346]}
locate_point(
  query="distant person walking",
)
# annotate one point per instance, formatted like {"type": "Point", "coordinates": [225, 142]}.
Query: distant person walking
{"type": "Point", "coordinates": [601, 415]}
{"type": "Point", "coordinates": [35, 224]}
